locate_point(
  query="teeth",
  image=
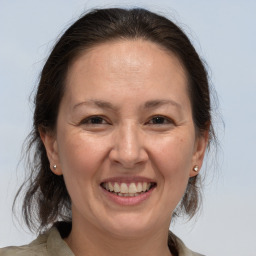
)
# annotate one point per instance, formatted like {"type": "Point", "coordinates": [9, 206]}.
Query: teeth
{"type": "Point", "coordinates": [111, 188]}
{"type": "Point", "coordinates": [116, 187]}
{"type": "Point", "coordinates": [132, 188]}
{"type": "Point", "coordinates": [144, 186]}
{"type": "Point", "coordinates": [139, 187]}
{"type": "Point", "coordinates": [124, 189]}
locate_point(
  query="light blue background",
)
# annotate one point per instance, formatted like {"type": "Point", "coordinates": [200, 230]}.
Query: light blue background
{"type": "Point", "coordinates": [224, 33]}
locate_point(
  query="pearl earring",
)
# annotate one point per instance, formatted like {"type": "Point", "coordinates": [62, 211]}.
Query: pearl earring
{"type": "Point", "coordinates": [196, 168]}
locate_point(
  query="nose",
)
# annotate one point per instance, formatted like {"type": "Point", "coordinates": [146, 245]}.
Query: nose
{"type": "Point", "coordinates": [128, 148]}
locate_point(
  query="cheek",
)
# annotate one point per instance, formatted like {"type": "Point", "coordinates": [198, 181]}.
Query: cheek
{"type": "Point", "coordinates": [81, 159]}
{"type": "Point", "coordinates": [173, 156]}
{"type": "Point", "coordinates": [172, 160]}
{"type": "Point", "coordinates": [80, 155]}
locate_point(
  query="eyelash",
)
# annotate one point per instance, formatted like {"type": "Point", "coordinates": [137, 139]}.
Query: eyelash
{"type": "Point", "coordinates": [166, 120]}
{"type": "Point", "coordinates": [97, 120]}
{"type": "Point", "coordinates": [89, 120]}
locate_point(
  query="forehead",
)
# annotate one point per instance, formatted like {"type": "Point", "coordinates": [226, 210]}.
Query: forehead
{"type": "Point", "coordinates": [135, 54]}
{"type": "Point", "coordinates": [129, 65]}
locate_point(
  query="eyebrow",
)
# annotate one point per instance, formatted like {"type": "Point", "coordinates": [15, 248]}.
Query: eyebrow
{"type": "Point", "coordinates": [98, 103]}
{"type": "Point", "coordinates": [149, 104]}
{"type": "Point", "coordinates": [159, 103]}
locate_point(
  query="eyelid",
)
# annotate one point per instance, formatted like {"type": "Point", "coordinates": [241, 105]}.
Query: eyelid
{"type": "Point", "coordinates": [168, 119]}
{"type": "Point", "coordinates": [87, 119]}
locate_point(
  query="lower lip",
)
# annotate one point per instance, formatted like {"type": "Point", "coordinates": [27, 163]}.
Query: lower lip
{"type": "Point", "coordinates": [128, 200]}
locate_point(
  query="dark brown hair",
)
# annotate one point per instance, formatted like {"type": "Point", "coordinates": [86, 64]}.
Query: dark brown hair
{"type": "Point", "coordinates": [46, 198]}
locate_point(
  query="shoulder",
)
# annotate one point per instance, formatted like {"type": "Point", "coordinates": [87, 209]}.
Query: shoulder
{"type": "Point", "coordinates": [47, 244]}
{"type": "Point", "coordinates": [180, 246]}
{"type": "Point", "coordinates": [37, 247]}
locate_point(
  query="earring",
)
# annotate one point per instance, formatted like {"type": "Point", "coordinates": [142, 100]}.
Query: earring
{"type": "Point", "coordinates": [196, 168]}
{"type": "Point", "coordinates": [54, 166]}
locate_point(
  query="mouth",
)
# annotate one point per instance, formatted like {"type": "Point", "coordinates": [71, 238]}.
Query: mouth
{"type": "Point", "coordinates": [131, 189]}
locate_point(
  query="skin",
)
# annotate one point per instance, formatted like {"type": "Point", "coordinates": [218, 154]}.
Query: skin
{"type": "Point", "coordinates": [130, 86]}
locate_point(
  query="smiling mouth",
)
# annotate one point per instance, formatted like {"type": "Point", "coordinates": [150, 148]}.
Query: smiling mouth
{"type": "Point", "coordinates": [128, 189]}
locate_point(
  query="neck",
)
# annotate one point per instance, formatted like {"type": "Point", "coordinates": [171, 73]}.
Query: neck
{"type": "Point", "coordinates": [88, 240]}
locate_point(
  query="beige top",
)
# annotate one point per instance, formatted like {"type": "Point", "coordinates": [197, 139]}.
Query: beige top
{"type": "Point", "coordinates": [51, 244]}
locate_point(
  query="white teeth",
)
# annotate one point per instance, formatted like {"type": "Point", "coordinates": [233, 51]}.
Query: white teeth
{"type": "Point", "coordinates": [132, 188]}
{"type": "Point", "coordinates": [124, 189]}
{"type": "Point", "coordinates": [116, 187]}
{"type": "Point", "coordinates": [144, 186]}
{"type": "Point", "coordinates": [139, 187]}
{"type": "Point", "coordinates": [111, 188]}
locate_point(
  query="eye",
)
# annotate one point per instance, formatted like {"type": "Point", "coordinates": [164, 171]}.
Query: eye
{"type": "Point", "coordinates": [160, 120]}
{"type": "Point", "coordinates": [94, 120]}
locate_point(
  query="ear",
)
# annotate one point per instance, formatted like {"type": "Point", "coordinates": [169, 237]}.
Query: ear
{"type": "Point", "coordinates": [201, 143]}
{"type": "Point", "coordinates": [51, 146]}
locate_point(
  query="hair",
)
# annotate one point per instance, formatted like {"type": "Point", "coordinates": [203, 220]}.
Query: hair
{"type": "Point", "coordinates": [46, 198]}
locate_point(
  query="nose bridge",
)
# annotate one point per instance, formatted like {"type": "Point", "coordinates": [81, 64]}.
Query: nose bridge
{"type": "Point", "coordinates": [128, 149]}
{"type": "Point", "coordinates": [129, 140]}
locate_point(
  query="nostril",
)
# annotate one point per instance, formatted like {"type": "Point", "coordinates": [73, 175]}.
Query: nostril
{"type": "Point", "coordinates": [128, 159]}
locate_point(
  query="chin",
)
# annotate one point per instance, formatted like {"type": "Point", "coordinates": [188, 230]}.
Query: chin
{"type": "Point", "coordinates": [129, 226]}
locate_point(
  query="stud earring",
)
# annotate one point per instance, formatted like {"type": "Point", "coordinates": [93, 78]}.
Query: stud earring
{"type": "Point", "coordinates": [196, 168]}
{"type": "Point", "coordinates": [54, 166]}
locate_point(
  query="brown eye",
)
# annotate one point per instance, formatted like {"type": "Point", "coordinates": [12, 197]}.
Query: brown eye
{"type": "Point", "coordinates": [94, 120]}
{"type": "Point", "coordinates": [158, 120]}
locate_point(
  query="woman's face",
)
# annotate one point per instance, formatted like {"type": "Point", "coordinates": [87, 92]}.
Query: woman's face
{"type": "Point", "coordinates": [125, 140]}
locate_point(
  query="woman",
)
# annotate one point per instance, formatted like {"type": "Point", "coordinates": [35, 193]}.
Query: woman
{"type": "Point", "coordinates": [121, 125]}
